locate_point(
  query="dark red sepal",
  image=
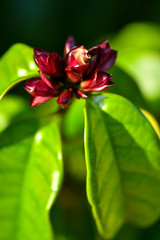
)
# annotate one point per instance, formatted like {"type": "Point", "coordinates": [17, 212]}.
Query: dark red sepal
{"type": "Point", "coordinates": [80, 94]}
{"type": "Point", "coordinates": [70, 43]}
{"type": "Point", "coordinates": [39, 100]}
{"type": "Point", "coordinates": [98, 83]}
{"type": "Point", "coordinates": [65, 98]}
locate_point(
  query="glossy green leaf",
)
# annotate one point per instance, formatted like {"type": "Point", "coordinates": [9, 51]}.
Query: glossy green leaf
{"type": "Point", "coordinates": [16, 65]}
{"type": "Point", "coordinates": [139, 56]}
{"type": "Point", "coordinates": [123, 164]}
{"type": "Point", "coordinates": [30, 178]}
{"type": "Point", "coordinates": [143, 67]}
{"type": "Point", "coordinates": [11, 107]}
{"type": "Point", "coordinates": [125, 86]}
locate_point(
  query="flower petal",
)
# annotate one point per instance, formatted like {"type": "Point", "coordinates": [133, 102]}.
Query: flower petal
{"type": "Point", "coordinates": [108, 59]}
{"type": "Point", "coordinates": [78, 60]}
{"type": "Point", "coordinates": [39, 100]}
{"type": "Point", "coordinates": [50, 64]}
{"type": "Point", "coordinates": [70, 43]}
{"type": "Point", "coordinates": [72, 77]}
{"type": "Point", "coordinates": [52, 84]}
{"type": "Point", "coordinates": [102, 82]}
{"type": "Point", "coordinates": [30, 85]}
{"type": "Point", "coordinates": [65, 98]}
{"type": "Point", "coordinates": [90, 80]}
{"type": "Point", "coordinates": [95, 53]}
{"type": "Point", "coordinates": [36, 87]}
{"type": "Point", "coordinates": [55, 67]}
{"type": "Point", "coordinates": [80, 94]}
{"type": "Point", "coordinates": [105, 45]}
{"type": "Point", "coordinates": [41, 58]}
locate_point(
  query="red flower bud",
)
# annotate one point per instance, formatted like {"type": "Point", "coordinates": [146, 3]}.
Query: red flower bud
{"type": "Point", "coordinates": [65, 98]}
{"type": "Point", "coordinates": [40, 91]}
{"type": "Point", "coordinates": [77, 62]}
{"type": "Point", "coordinates": [50, 64]}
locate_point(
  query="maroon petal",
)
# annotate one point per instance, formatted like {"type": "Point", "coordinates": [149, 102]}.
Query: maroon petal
{"type": "Point", "coordinates": [39, 52]}
{"type": "Point", "coordinates": [102, 82]}
{"type": "Point", "coordinates": [94, 50]}
{"type": "Point", "coordinates": [72, 76]}
{"type": "Point", "coordinates": [51, 83]}
{"type": "Point", "coordinates": [70, 43]}
{"type": "Point", "coordinates": [80, 94]}
{"type": "Point", "coordinates": [41, 58]}
{"type": "Point", "coordinates": [65, 98]}
{"type": "Point", "coordinates": [31, 84]}
{"type": "Point", "coordinates": [46, 80]}
{"type": "Point", "coordinates": [36, 87]}
{"type": "Point", "coordinates": [70, 59]}
{"type": "Point", "coordinates": [54, 67]}
{"type": "Point", "coordinates": [104, 45]}
{"type": "Point", "coordinates": [108, 56]}
{"type": "Point", "coordinates": [90, 80]}
{"type": "Point", "coordinates": [50, 64]}
{"type": "Point", "coordinates": [42, 88]}
{"type": "Point", "coordinates": [39, 100]}
{"type": "Point", "coordinates": [78, 60]}
{"type": "Point", "coordinates": [95, 54]}
{"type": "Point", "coordinates": [108, 59]}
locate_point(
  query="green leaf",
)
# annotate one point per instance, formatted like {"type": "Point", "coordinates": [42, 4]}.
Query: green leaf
{"type": "Point", "coordinates": [30, 177]}
{"type": "Point", "coordinates": [123, 164]}
{"type": "Point", "coordinates": [142, 68]}
{"type": "Point", "coordinates": [16, 65]}
{"type": "Point", "coordinates": [11, 107]}
{"type": "Point", "coordinates": [139, 56]}
{"type": "Point", "coordinates": [126, 87]}
{"type": "Point", "coordinates": [14, 107]}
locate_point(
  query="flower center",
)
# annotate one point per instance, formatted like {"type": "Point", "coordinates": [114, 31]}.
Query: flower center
{"type": "Point", "coordinates": [82, 56]}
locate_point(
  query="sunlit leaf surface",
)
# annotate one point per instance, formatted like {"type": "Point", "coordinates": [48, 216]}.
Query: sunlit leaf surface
{"type": "Point", "coordinates": [123, 164]}
{"type": "Point", "coordinates": [139, 56]}
{"type": "Point", "coordinates": [30, 177]}
{"type": "Point", "coordinates": [16, 65]}
{"type": "Point", "coordinates": [125, 86]}
{"type": "Point", "coordinates": [11, 107]}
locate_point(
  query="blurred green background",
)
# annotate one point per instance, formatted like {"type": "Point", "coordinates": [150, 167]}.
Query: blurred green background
{"type": "Point", "coordinates": [46, 24]}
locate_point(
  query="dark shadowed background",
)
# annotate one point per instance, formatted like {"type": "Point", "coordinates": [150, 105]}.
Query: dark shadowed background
{"type": "Point", "coordinates": [47, 23]}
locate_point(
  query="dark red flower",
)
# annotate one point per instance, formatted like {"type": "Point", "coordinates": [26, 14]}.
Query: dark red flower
{"type": "Point", "coordinates": [80, 72]}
